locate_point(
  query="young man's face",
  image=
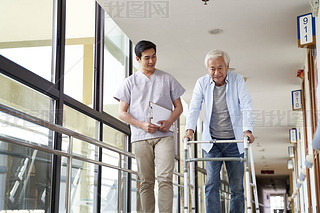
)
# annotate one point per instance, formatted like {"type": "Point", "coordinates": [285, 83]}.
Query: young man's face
{"type": "Point", "coordinates": [148, 60]}
{"type": "Point", "coordinates": [218, 70]}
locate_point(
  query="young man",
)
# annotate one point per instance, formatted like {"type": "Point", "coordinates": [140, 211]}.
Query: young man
{"type": "Point", "coordinates": [153, 145]}
{"type": "Point", "coordinates": [228, 115]}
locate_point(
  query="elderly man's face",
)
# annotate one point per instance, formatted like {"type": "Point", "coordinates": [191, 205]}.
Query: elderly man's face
{"type": "Point", "coordinates": [218, 70]}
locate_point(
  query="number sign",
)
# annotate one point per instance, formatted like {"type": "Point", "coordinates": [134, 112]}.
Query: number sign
{"type": "Point", "coordinates": [306, 30]}
{"type": "Point", "coordinates": [293, 135]}
{"type": "Point", "coordinates": [296, 100]}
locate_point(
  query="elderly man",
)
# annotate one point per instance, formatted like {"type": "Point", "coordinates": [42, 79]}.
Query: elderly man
{"type": "Point", "coordinates": [228, 115]}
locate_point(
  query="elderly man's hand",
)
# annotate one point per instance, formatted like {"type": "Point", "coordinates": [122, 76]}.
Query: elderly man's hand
{"type": "Point", "coordinates": [189, 134]}
{"type": "Point", "coordinates": [249, 134]}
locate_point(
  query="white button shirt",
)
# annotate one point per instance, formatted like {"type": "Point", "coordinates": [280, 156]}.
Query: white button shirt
{"type": "Point", "coordinates": [238, 102]}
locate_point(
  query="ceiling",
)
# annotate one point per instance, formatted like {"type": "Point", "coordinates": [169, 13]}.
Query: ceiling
{"type": "Point", "coordinates": [261, 39]}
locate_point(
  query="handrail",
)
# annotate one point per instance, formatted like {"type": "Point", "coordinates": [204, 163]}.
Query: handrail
{"type": "Point", "coordinates": [215, 141]}
{"type": "Point", "coordinates": [60, 129]}
{"type": "Point", "coordinates": [20, 142]}
{"type": "Point", "coordinates": [63, 130]}
{"type": "Point", "coordinates": [68, 154]}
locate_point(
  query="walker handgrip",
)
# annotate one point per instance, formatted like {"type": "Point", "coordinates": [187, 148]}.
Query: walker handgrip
{"type": "Point", "coordinates": [187, 139]}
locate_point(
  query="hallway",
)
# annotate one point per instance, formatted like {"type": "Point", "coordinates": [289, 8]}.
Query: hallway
{"type": "Point", "coordinates": [64, 62]}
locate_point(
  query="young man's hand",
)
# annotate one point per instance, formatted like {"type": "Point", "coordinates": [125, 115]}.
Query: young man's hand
{"type": "Point", "coordinates": [149, 127]}
{"type": "Point", "coordinates": [165, 126]}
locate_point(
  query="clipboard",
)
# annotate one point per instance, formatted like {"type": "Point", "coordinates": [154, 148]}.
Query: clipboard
{"type": "Point", "coordinates": [159, 113]}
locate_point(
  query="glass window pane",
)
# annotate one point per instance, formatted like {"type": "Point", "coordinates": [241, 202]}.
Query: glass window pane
{"type": "Point", "coordinates": [182, 132]}
{"type": "Point", "coordinates": [109, 190]}
{"type": "Point", "coordinates": [135, 63]}
{"type": "Point", "coordinates": [25, 178]}
{"type": "Point", "coordinates": [114, 137]}
{"type": "Point", "coordinates": [82, 124]}
{"type": "Point", "coordinates": [28, 132]}
{"type": "Point", "coordinates": [26, 34]}
{"type": "Point", "coordinates": [176, 201]}
{"type": "Point", "coordinates": [201, 192]}
{"type": "Point", "coordinates": [23, 98]}
{"type": "Point", "coordinates": [79, 50]}
{"type": "Point", "coordinates": [116, 49]}
{"type": "Point", "coordinates": [63, 186]}
{"type": "Point", "coordinates": [79, 122]}
{"type": "Point", "coordinates": [83, 186]}
{"type": "Point", "coordinates": [135, 196]}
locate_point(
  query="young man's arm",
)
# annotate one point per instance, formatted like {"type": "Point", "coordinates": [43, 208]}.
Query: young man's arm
{"type": "Point", "coordinates": [178, 109]}
{"type": "Point", "coordinates": [126, 117]}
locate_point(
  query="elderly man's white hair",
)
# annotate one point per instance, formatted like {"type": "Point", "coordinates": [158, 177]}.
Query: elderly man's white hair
{"type": "Point", "coordinates": [215, 54]}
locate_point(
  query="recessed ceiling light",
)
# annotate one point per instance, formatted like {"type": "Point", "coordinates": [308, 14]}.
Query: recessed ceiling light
{"type": "Point", "coordinates": [205, 2]}
{"type": "Point", "coordinates": [215, 31]}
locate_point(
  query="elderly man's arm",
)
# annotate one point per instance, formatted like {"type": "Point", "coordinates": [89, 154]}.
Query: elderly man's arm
{"type": "Point", "coordinates": [246, 109]}
{"type": "Point", "coordinates": [194, 110]}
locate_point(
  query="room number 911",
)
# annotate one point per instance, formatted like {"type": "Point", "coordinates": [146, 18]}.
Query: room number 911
{"type": "Point", "coordinates": [305, 28]}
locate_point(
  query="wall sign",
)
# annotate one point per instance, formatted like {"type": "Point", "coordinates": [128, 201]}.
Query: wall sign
{"type": "Point", "coordinates": [291, 151]}
{"type": "Point", "coordinates": [296, 98]}
{"type": "Point", "coordinates": [306, 30]}
{"type": "Point", "coordinates": [290, 164]}
{"type": "Point", "coordinates": [293, 135]}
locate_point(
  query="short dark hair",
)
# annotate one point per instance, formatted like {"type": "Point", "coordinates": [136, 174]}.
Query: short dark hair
{"type": "Point", "coordinates": [142, 46]}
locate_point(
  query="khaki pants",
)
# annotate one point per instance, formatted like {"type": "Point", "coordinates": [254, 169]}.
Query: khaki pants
{"type": "Point", "coordinates": [150, 154]}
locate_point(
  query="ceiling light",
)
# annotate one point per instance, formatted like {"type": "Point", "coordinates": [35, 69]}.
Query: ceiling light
{"type": "Point", "coordinates": [215, 31]}
{"type": "Point", "coordinates": [205, 2]}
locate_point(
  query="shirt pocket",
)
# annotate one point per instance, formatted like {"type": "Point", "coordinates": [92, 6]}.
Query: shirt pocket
{"type": "Point", "coordinates": [162, 94]}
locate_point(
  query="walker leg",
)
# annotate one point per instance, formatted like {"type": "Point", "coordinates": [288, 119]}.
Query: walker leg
{"type": "Point", "coordinates": [254, 183]}
{"type": "Point", "coordinates": [186, 184]}
{"type": "Point", "coordinates": [248, 191]}
{"type": "Point", "coordinates": [192, 181]}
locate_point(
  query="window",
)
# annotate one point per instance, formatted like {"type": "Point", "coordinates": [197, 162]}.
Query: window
{"type": "Point", "coordinates": [79, 50]}
{"type": "Point", "coordinates": [83, 187]}
{"type": "Point", "coordinates": [110, 177]}
{"type": "Point", "coordinates": [25, 178]}
{"type": "Point", "coordinates": [26, 34]}
{"type": "Point", "coordinates": [116, 51]}
{"type": "Point", "coordinates": [27, 100]}
{"type": "Point", "coordinates": [27, 174]}
{"type": "Point", "coordinates": [276, 203]}
{"type": "Point", "coordinates": [83, 124]}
